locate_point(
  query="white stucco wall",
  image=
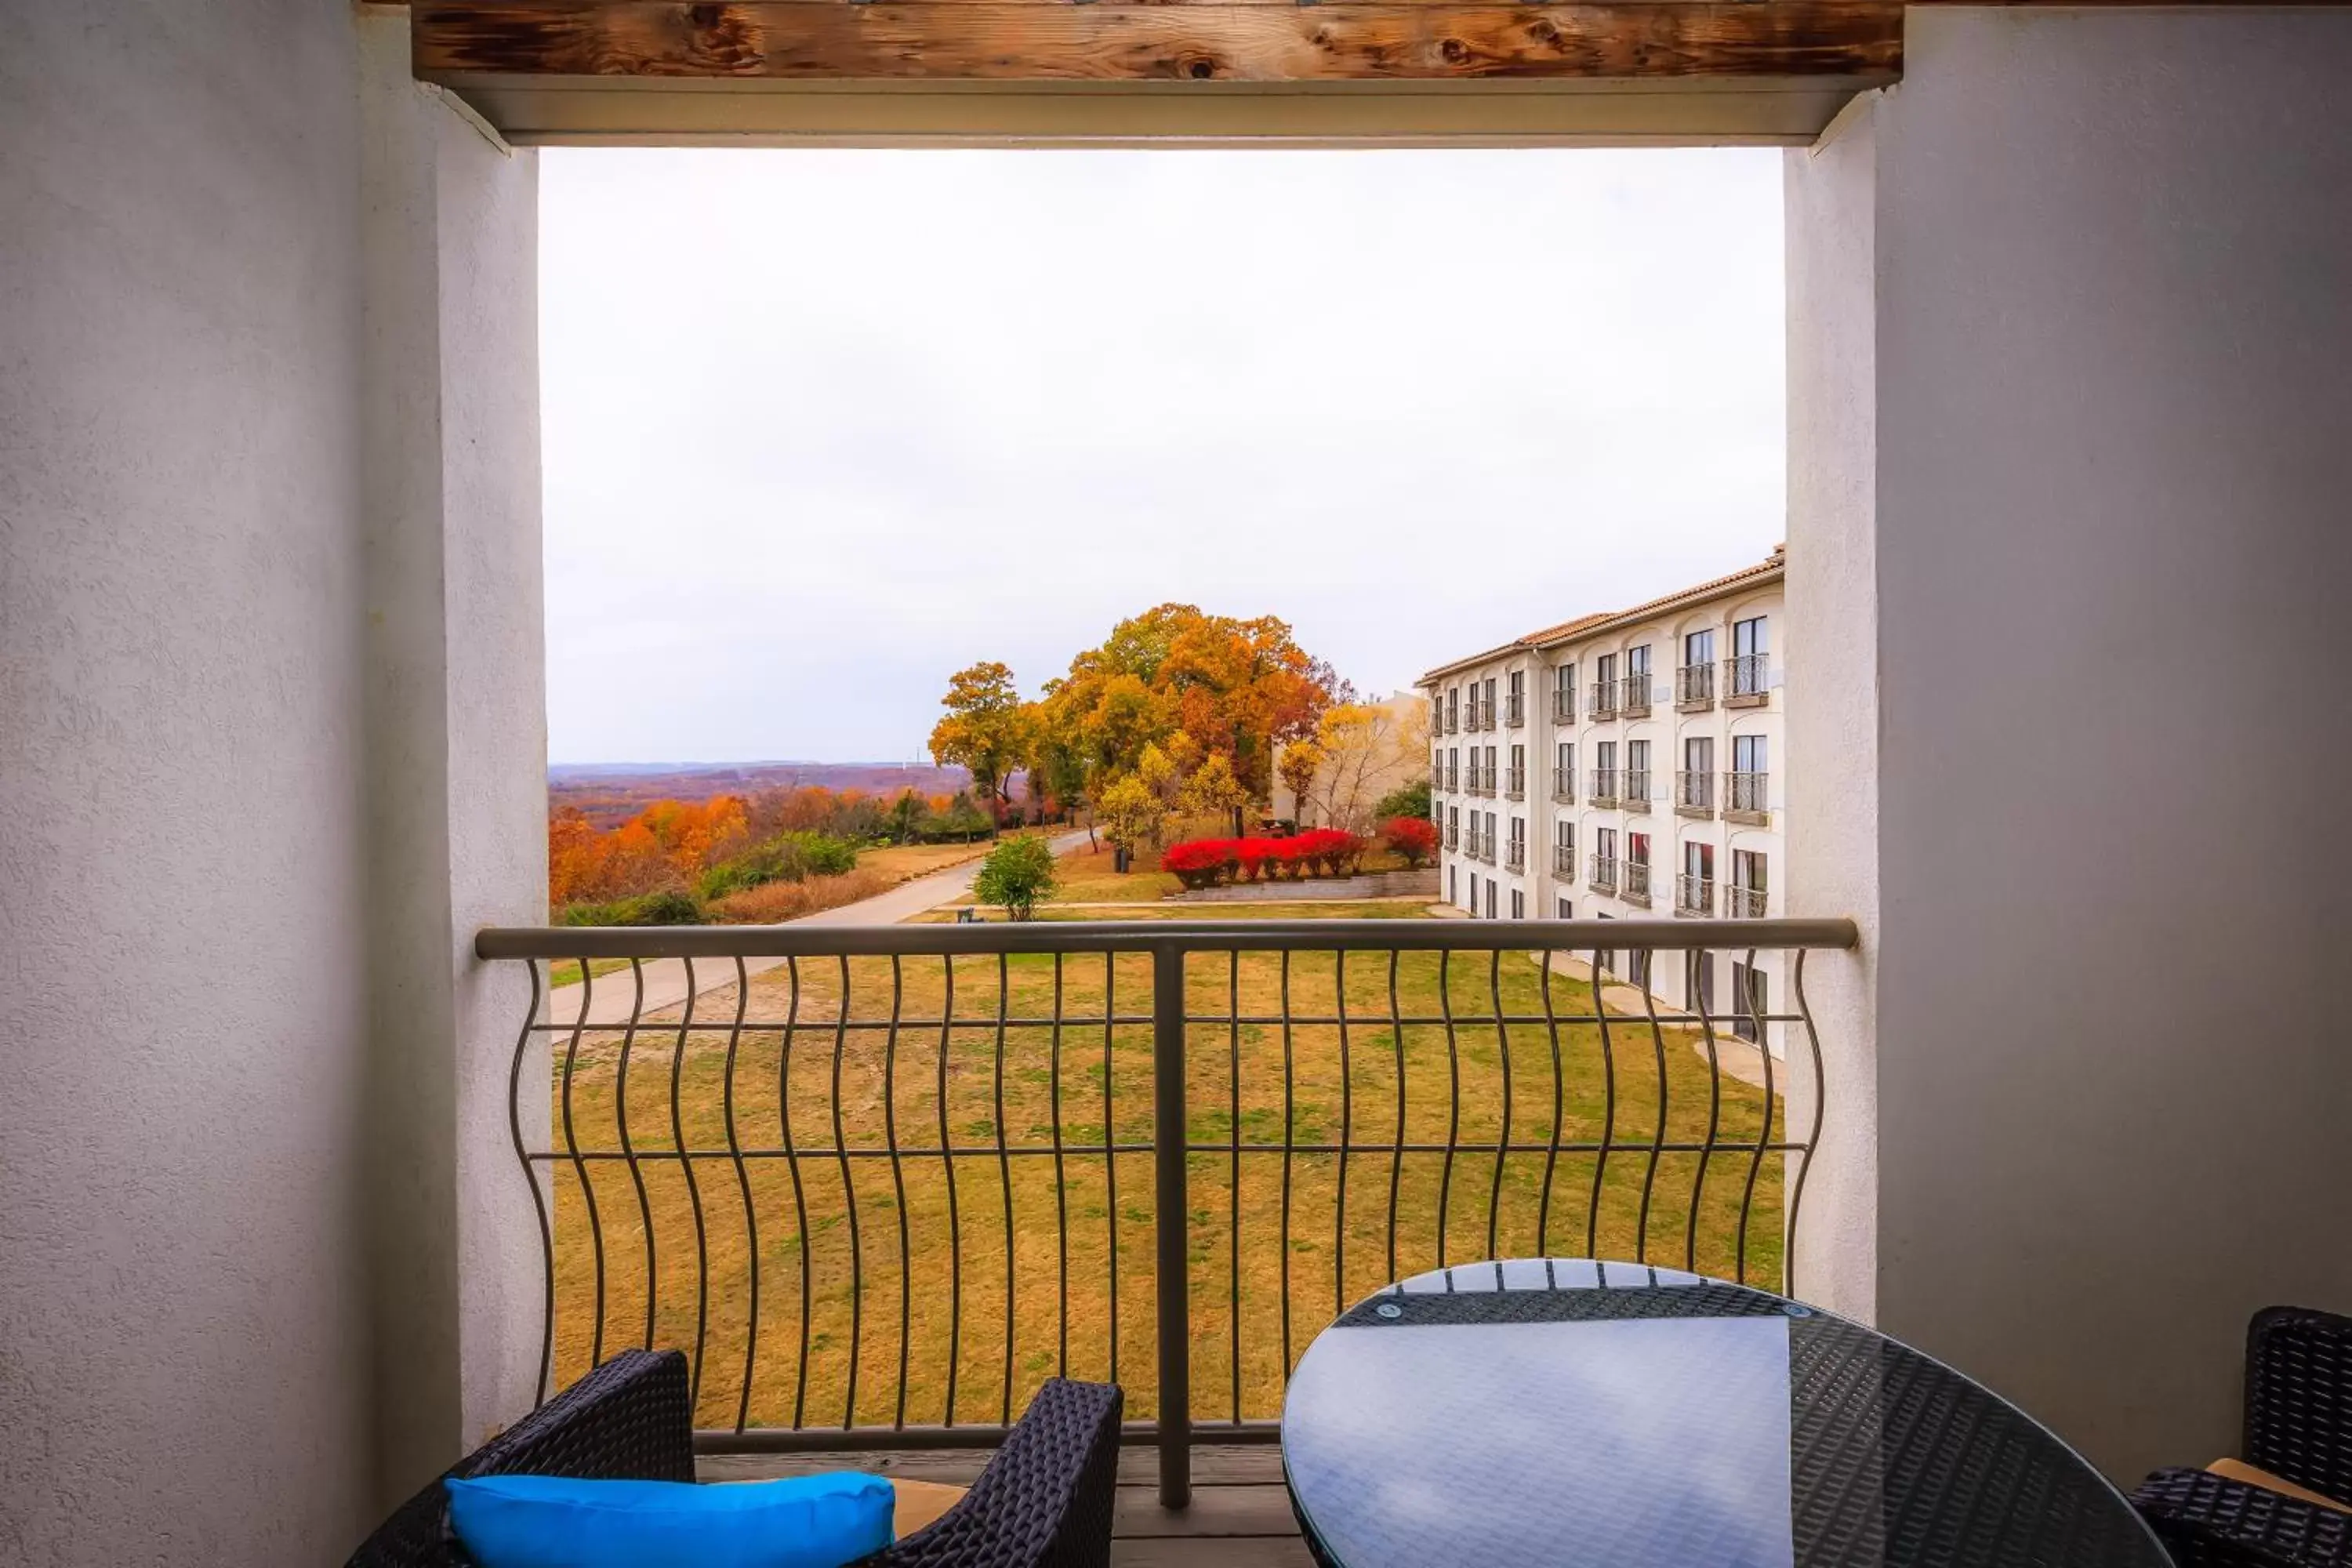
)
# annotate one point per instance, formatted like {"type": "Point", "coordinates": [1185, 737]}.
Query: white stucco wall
{"type": "Point", "coordinates": [2099, 492]}
{"type": "Point", "coordinates": [183, 1285]}
{"type": "Point", "coordinates": [271, 748]}
{"type": "Point", "coordinates": [457, 782]}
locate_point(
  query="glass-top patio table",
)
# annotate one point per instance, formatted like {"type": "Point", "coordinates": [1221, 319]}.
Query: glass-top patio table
{"type": "Point", "coordinates": [1565, 1412]}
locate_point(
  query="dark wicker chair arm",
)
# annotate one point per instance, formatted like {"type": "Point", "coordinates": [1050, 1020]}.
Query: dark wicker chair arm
{"type": "Point", "coordinates": [2299, 1398]}
{"type": "Point", "coordinates": [630, 1419]}
{"type": "Point", "coordinates": [1043, 1501]}
{"type": "Point", "coordinates": [2207, 1520]}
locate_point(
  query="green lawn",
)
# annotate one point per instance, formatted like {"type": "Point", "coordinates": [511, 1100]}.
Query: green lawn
{"type": "Point", "coordinates": [1451, 1210]}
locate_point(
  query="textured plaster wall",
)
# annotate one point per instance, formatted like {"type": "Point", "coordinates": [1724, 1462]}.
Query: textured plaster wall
{"type": "Point", "coordinates": [271, 749]}
{"type": "Point", "coordinates": [1831, 190]}
{"type": "Point", "coordinates": [2107, 511]}
{"type": "Point", "coordinates": [455, 708]}
{"type": "Point", "coordinates": [183, 1285]}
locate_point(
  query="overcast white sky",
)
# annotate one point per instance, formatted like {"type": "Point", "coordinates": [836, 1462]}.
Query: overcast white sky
{"type": "Point", "coordinates": [822, 426]}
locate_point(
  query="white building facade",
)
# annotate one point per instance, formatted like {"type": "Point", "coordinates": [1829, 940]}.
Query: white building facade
{"type": "Point", "coordinates": [1626, 765]}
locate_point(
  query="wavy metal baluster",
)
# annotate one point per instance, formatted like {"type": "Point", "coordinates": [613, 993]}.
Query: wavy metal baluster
{"type": "Point", "coordinates": [955, 1221]}
{"type": "Point", "coordinates": [629, 1144]}
{"type": "Point", "coordinates": [1396, 1154]}
{"type": "Point", "coordinates": [1558, 1115]}
{"type": "Point", "coordinates": [744, 1186]}
{"type": "Point", "coordinates": [898, 1179]}
{"type": "Point", "coordinates": [1347, 1136]}
{"type": "Point", "coordinates": [793, 1170]}
{"type": "Point", "coordinates": [580, 1164]}
{"type": "Point", "coordinates": [1812, 1133]}
{"type": "Point", "coordinates": [1502, 1140]}
{"type": "Point", "coordinates": [1453, 1097]}
{"type": "Point", "coordinates": [537, 1198]}
{"type": "Point", "coordinates": [1658, 1132]}
{"type": "Point", "coordinates": [1691, 987]}
{"type": "Point", "coordinates": [1004, 1177]}
{"type": "Point", "coordinates": [1598, 989]}
{"type": "Point", "coordinates": [1233, 1162]}
{"type": "Point", "coordinates": [693, 1193]}
{"type": "Point", "coordinates": [1061, 1185]}
{"type": "Point", "coordinates": [849, 1196]}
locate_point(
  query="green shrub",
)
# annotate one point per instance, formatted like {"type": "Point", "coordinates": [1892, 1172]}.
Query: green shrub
{"type": "Point", "coordinates": [786, 858]}
{"type": "Point", "coordinates": [1016, 874]}
{"type": "Point", "coordinates": [672, 909]}
{"type": "Point", "coordinates": [1413, 800]}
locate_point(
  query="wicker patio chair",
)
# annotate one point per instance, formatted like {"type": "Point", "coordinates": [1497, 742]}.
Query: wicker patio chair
{"type": "Point", "coordinates": [1042, 1501]}
{"type": "Point", "coordinates": [2299, 1428]}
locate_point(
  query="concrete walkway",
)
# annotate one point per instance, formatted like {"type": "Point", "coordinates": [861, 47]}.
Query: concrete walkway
{"type": "Point", "coordinates": [612, 998]}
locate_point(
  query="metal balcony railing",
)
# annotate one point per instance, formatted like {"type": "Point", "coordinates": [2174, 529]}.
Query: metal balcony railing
{"type": "Point", "coordinates": [1636, 795]}
{"type": "Point", "coordinates": [1745, 679]}
{"type": "Point", "coordinates": [1603, 702]}
{"type": "Point", "coordinates": [1486, 848]}
{"type": "Point", "coordinates": [1563, 783]}
{"type": "Point", "coordinates": [1743, 903]}
{"type": "Point", "coordinates": [1694, 687]}
{"type": "Point", "coordinates": [1454, 837]}
{"type": "Point", "coordinates": [877, 1183]}
{"type": "Point", "coordinates": [1603, 874]}
{"type": "Point", "coordinates": [1453, 721]}
{"type": "Point", "coordinates": [1453, 779]}
{"type": "Point", "coordinates": [1634, 702]}
{"type": "Point", "coordinates": [1514, 855]}
{"type": "Point", "coordinates": [1605, 787]}
{"type": "Point", "coordinates": [1745, 793]}
{"type": "Point", "coordinates": [1695, 793]}
{"type": "Point", "coordinates": [1563, 706]}
{"type": "Point", "coordinates": [1636, 888]}
{"type": "Point", "coordinates": [1514, 711]}
{"type": "Point", "coordinates": [1694, 895]}
{"type": "Point", "coordinates": [1563, 860]}
{"type": "Point", "coordinates": [1481, 783]}
{"type": "Point", "coordinates": [1515, 782]}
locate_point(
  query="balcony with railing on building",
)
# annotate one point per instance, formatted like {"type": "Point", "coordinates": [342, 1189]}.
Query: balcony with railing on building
{"type": "Point", "coordinates": [1694, 794]}
{"type": "Point", "coordinates": [1694, 895]}
{"type": "Point", "coordinates": [1515, 783]}
{"type": "Point", "coordinates": [1605, 787]}
{"type": "Point", "coordinates": [1745, 798]}
{"type": "Point", "coordinates": [1635, 796]}
{"type": "Point", "coordinates": [1634, 885]}
{"type": "Point", "coordinates": [1482, 783]}
{"type": "Point", "coordinates": [1453, 719]}
{"type": "Point", "coordinates": [1633, 700]}
{"type": "Point", "coordinates": [1486, 847]}
{"type": "Point", "coordinates": [1743, 903]}
{"type": "Point", "coordinates": [1745, 681]}
{"type": "Point", "coordinates": [1563, 860]}
{"type": "Point", "coordinates": [795, 1192]}
{"type": "Point", "coordinates": [1453, 780]}
{"type": "Point", "coordinates": [1603, 874]}
{"type": "Point", "coordinates": [1515, 711]}
{"type": "Point", "coordinates": [1694, 688]}
{"type": "Point", "coordinates": [1603, 701]}
{"type": "Point", "coordinates": [1563, 705]}
{"type": "Point", "coordinates": [1452, 835]}
{"type": "Point", "coordinates": [1515, 854]}
{"type": "Point", "coordinates": [1563, 784]}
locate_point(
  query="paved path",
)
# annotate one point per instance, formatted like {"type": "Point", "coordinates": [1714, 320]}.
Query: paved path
{"type": "Point", "coordinates": [612, 998]}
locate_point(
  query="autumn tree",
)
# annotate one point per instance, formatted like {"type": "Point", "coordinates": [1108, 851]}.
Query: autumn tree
{"type": "Point", "coordinates": [1297, 763]}
{"type": "Point", "coordinates": [983, 730]}
{"type": "Point", "coordinates": [1130, 814]}
{"type": "Point", "coordinates": [1212, 788]}
{"type": "Point", "coordinates": [1365, 747]}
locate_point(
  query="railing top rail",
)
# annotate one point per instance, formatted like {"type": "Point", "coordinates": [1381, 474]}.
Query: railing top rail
{"type": "Point", "coordinates": [1152, 936]}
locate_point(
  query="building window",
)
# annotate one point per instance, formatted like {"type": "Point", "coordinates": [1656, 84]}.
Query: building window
{"type": "Point", "coordinates": [1751, 997]}
{"type": "Point", "coordinates": [1698, 648]}
{"type": "Point", "coordinates": [1637, 769]}
{"type": "Point", "coordinates": [1490, 899]}
{"type": "Point", "coordinates": [1566, 910]}
{"type": "Point", "coordinates": [1472, 905]}
{"type": "Point", "coordinates": [1454, 885]}
{"type": "Point", "coordinates": [1453, 709]}
{"type": "Point", "coordinates": [1747, 664]}
{"type": "Point", "coordinates": [1517, 783]}
{"type": "Point", "coordinates": [1490, 702]}
{"type": "Point", "coordinates": [1564, 693]}
{"type": "Point", "coordinates": [1749, 885]}
{"type": "Point", "coordinates": [1699, 754]}
{"type": "Point", "coordinates": [1518, 711]}
{"type": "Point", "coordinates": [1518, 905]}
{"type": "Point", "coordinates": [1749, 754]}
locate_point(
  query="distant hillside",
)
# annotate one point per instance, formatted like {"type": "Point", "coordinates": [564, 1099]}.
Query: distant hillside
{"type": "Point", "coordinates": [611, 792]}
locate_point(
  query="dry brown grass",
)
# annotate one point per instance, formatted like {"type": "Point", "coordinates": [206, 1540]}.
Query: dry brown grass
{"type": "Point", "coordinates": [773, 901]}
{"type": "Point", "coordinates": [862, 1244]}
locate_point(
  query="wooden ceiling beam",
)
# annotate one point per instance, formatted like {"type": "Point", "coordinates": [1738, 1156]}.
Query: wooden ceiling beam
{"type": "Point", "coordinates": [461, 42]}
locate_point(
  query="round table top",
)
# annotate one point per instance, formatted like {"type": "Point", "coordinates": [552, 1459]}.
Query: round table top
{"type": "Point", "coordinates": [1561, 1411]}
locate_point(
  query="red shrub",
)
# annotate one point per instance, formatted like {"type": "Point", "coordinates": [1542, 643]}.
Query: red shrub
{"type": "Point", "coordinates": [1413, 838]}
{"type": "Point", "coordinates": [1330, 851]}
{"type": "Point", "coordinates": [1253, 855]}
{"type": "Point", "coordinates": [1198, 862]}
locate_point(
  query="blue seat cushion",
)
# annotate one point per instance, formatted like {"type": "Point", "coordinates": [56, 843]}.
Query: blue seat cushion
{"type": "Point", "coordinates": [553, 1521]}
